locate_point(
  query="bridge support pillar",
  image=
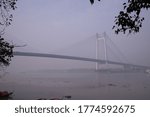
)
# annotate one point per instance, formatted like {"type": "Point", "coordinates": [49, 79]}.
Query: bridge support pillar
{"type": "Point", "coordinates": [99, 38]}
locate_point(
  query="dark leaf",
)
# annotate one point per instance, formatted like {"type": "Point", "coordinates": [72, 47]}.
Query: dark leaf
{"type": "Point", "coordinates": [92, 1]}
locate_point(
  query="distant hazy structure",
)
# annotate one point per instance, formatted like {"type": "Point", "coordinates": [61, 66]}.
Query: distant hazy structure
{"type": "Point", "coordinates": [101, 39]}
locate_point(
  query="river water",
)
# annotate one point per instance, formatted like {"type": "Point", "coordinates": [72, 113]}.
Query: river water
{"type": "Point", "coordinates": [78, 83]}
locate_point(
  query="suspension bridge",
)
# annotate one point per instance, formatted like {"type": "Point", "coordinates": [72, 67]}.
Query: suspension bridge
{"type": "Point", "coordinates": [96, 60]}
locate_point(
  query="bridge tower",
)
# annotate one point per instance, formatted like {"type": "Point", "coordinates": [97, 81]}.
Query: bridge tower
{"type": "Point", "coordinates": [101, 38]}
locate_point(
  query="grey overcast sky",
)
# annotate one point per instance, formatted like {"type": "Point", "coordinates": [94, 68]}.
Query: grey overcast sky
{"type": "Point", "coordinates": [49, 25]}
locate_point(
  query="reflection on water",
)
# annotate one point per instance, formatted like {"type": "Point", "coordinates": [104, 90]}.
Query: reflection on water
{"type": "Point", "coordinates": [79, 84]}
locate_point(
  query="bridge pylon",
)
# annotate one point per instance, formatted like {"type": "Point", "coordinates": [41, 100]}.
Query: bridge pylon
{"type": "Point", "coordinates": [101, 37]}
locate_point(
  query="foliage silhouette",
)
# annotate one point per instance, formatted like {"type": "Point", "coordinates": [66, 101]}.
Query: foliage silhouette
{"type": "Point", "coordinates": [129, 19]}
{"type": "Point", "coordinates": [92, 1]}
{"type": "Point", "coordinates": [6, 50]}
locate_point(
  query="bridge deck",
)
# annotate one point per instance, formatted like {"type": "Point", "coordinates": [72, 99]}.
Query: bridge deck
{"type": "Point", "coordinates": [77, 58]}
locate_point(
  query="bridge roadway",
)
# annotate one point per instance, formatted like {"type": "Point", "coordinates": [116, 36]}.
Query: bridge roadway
{"type": "Point", "coordinates": [78, 58]}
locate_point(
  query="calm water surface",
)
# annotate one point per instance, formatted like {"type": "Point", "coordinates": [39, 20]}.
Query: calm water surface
{"type": "Point", "coordinates": [79, 84]}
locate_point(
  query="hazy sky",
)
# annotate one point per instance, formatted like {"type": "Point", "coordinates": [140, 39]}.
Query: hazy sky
{"type": "Point", "coordinates": [49, 25]}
